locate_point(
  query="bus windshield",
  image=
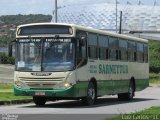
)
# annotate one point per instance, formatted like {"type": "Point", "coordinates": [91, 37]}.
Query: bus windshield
{"type": "Point", "coordinates": [46, 54]}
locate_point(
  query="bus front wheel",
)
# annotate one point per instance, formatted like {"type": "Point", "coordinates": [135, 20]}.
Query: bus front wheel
{"type": "Point", "coordinates": [39, 101]}
{"type": "Point", "coordinates": [91, 94]}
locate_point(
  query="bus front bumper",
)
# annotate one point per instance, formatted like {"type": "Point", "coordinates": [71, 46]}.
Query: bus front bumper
{"type": "Point", "coordinates": [46, 93]}
{"type": "Point", "coordinates": [74, 91]}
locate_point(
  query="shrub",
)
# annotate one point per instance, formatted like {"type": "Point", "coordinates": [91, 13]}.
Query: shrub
{"type": "Point", "coordinates": [11, 60]}
{"type": "Point", "coordinates": [154, 69]}
{"type": "Point", "coordinates": [5, 59]}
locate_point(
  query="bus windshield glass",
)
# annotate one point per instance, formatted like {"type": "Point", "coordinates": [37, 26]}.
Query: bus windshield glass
{"type": "Point", "coordinates": [46, 54]}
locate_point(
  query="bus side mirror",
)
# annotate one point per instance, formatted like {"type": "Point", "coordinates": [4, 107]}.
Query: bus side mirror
{"type": "Point", "coordinates": [82, 41]}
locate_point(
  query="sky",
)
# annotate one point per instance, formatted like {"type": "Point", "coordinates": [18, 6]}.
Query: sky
{"type": "Point", "coordinates": [13, 7]}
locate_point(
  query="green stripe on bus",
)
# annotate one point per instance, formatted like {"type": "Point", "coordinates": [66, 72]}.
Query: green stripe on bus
{"type": "Point", "coordinates": [80, 89]}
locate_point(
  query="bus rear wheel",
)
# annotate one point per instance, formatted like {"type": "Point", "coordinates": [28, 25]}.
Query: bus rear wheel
{"type": "Point", "coordinates": [91, 95]}
{"type": "Point", "coordinates": [129, 95]}
{"type": "Point", "coordinates": [39, 101]}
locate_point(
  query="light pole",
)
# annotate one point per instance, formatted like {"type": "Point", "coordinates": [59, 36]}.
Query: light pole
{"type": "Point", "coordinates": [155, 2]}
{"type": "Point", "coordinates": [55, 12]}
{"type": "Point", "coordinates": [116, 16]}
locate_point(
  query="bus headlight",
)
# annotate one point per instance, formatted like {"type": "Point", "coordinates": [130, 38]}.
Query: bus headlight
{"type": "Point", "coordinates": [67, 85]}
{"type": "Point", "coordinates": [62, 85]}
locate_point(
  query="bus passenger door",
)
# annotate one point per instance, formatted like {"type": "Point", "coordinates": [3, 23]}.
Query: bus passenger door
{"type": "Point", "coordinates": [81, 63]}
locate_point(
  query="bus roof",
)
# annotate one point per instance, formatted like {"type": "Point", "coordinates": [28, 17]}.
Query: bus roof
{"type": "Point", "coordinates": [89, 29]}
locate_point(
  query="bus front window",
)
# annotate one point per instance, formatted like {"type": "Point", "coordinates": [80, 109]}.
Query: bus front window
{"type": "Point", "coordinates": [45, 55]}
{"type": "Point", "coordinates": [58, 55]}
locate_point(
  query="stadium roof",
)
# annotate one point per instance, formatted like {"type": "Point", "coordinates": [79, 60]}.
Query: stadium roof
{"type": "Point", "coordinates": [103, 16]}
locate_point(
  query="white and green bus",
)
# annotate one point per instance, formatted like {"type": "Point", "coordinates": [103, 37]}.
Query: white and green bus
{"type": "Point", "coordinates": [67, 61]}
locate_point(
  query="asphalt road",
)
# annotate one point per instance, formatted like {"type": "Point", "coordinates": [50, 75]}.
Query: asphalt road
{"type": "Point", "coordinates": [107, 106]}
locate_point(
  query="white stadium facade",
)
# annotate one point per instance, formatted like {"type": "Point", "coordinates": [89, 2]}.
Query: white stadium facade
{"type": "Point", "coordinates": [103, 16]}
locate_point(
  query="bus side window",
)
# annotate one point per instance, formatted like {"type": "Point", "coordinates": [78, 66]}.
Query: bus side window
{"type": "Point", "coordinates": [92, 46]}
{"type": "Point", "coordinates": [132, 51]}
{"type": "Point", "coordinates": [123, 50]}
{"type": "Point", "coordinates": [103, 47]}
{"type": "Point", "coordinates": [107, 53]}
{"type": "Point", "coordinates": [113, 48]}
{"type": "Point", "coordinates": [140, 52]}
{"type": "Point", "coordinates": [120, 54]}
{"type": "Point", "coordinates": [81, 37]}
{"type": "Point", "coordinates": [145, 53]}
{"type": "Point", "coordinates": [135, 56]}
{"type": "Point", "coordinates": [82, 51]}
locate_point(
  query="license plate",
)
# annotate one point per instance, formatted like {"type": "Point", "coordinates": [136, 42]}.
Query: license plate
{"type": "Point", "coordinates": [40, 93]}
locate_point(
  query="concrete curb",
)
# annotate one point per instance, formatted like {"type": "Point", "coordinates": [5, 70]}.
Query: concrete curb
{"type": "Point", "coordinates": [10, 102]}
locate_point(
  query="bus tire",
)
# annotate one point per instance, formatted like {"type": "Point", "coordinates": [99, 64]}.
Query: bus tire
{"type": "Point", "coordinates": [131, 91]}
{"type": "Point", "coordinates": [39, 101]}
{"type": "Point", "coordinates": [91, 95]}
{"type": "Point", "coordinates": [129, 95]}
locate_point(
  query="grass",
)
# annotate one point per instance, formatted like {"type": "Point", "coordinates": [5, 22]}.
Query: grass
{"type": "Point", "coordinates": [6, 93]}
{"type": "Point", "coordinates": [152, 113]}
{"type": "Point", "coordinates": [10, 96]}
{"type": "Point", "coordinates": [4, 86]}
{"type": "Point", "coordinates": [154, 78]}
{"type": "Point", "coordinates": [152, 110]}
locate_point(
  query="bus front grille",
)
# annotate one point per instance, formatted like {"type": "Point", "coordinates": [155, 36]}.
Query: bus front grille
{"type": "Point", "coordinates": [41, 83]}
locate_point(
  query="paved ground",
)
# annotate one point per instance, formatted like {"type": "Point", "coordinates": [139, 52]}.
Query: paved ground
{"type": "Point", "coordinates": [108, 105]}
{"type": "Point", "coordinates": [74, 110]}
{"type": "Point", "coordinates": [6, 73]}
